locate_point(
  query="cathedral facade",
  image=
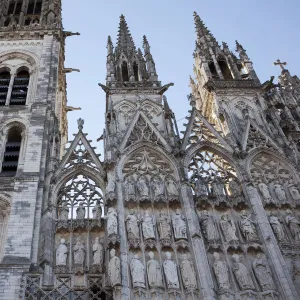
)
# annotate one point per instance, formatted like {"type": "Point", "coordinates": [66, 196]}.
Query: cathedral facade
{"type": "Point", "coordinates": [210, 213]}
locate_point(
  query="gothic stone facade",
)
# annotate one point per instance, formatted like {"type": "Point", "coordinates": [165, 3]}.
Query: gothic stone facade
{"type": "Point", "coordinates": [212, 213]}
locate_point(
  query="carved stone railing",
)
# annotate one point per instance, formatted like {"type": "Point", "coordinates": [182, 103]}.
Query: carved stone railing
{"type": "Point", "coordinates": [212, 85]}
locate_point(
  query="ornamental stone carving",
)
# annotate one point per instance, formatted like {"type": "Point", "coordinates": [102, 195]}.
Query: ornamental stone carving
{"type": "Point", "coordinates": [228, 228]}
{"type": "Point", "coordinates": [63, 213]}
{"type": "Point", "coordinates": [170, 270]}
{"type": "Point", "coordinates": [247, 226]}
{"type": "Point", "coordinates": [112, 222]}
{"type": "Point", "coordinates": [164, 227]}
{"type": "Point", "coordinates": [154, 272]}
{"type": "Point", "coordinates": [263, 273]}
{"type": "Point", "coordinates": [97, 211]}
{"type": "Point", "coordinates": [277, 227]}
{"type": "Point", "coordinates": [217, 188]}
{"type": "Point", "coordinates": [294, 193]}
{"type": "Point", "coordinates": [179, 225]}
{"type": "Point", "coordinates": [80, 212]}
{"type": "Point", "coordinates": [235, 189]}
{"type": "Point", "coordinates": [114, 269]}
{"type": "Point", "coordinates": [61, 253]}
{"type": "Point", "coordinates": [221, 272]}
{"type": "Point", "coordinates": [209, 227]}
{"type": "Point", "coordinates": [142, 186]}
{"type": "Point", "coordinates": [280, 193]}
{"type": "Point", "coordinates": [137, 270]}
{"type": "Point", "coordinates": [171, 188]}
{"type": "Point", "coordinates": [242, 274]}
{"type": "Point", "coordinates": [132, 225]}
{"type": "Point", "coordinates": [98, 252]}
{"type": "Point", "coordinates": [130, 193]}
{"type": "Point", "coordinates": [201, 190]}
{"type": "Point", "coordinates": [188, 274]}
{"type": "Point", "coordinates": [294, 225]}
{"type": "Point", "coordinates": [79, 253]}
{"type": "Point", "coordinates": [148, 226]}
{"type": "Point", "coordinates": [158, 188]}
{"type": "Point", "coordinates": [264, 190]}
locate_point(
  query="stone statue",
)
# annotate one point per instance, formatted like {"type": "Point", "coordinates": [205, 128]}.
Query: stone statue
{"type": "Point", "coordinates": [280, 193]}
{"type": "Point", "coordinates": [264, 189]}
{"type": "Point", "coordinates": [293, 224]}
{"type": "Point", "coordinates": [148, 226]}
{"type": "Point", "coordinates": [112, 222]}
{"type": "Point", "coordinates": [137, 272]}
{"type": "Point", "coordinates": [228, 228]}
{"type": "Point", "coordinates": [114, 269]}
{"type": "Point", "coordinates": [130, 188]}
{"type": "Point", "coordinates": [132, 225]}
{"type": "Point", "coordinates": [179, 225]}
{"type": "Point", "coordinates": [142, 187]}
{"type": "Point", "coordinates": [97, 211]}
{"type": "Point", "coordinates": [98, 251]}
{"type": "Point", "coordinates": [154, 272]}
{"type": "Point", "coordinates": [217, 188]}
{"type": "Point", "coordinates": [61, 253]}
{"type": "Point", "coordinates": [221, 272]}
{"type": "Point", "coordinates": [242, 274]}
{"type": "Point", "coordinates": [294, 193]}
{"type": "Point", "coordinates": [80, 212]}
{"type": "Point", "coordinates": [171, 187]}
{"type": "Point", "coordinates": [235, 188]}
{"type": "Point", "coordinates": [209, 227]}
{"type": "Point", "coordinates": [263, 273]}
{"type": "Point", "coordinates": [64, 213]}
{"type": "Point", "coordinates": [158, 187]}
{"type": "Point", "coordinates": [79, 253]}
{"type": "Point", "coordinates": [277, 227]}
{"type": "Point", "coordinates": [247, 226]}
{"type": "Point", "coordinates": [170, 270]}
{"type": "Point", "coordinates": [188, 273]}
{"type": "Point", "coordinates": [164, 227]}
{"type": "Point", "coordinates": [201, 190]}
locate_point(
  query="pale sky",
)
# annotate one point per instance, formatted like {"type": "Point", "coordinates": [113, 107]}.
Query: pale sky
{"type": "Point", "coordinates": [268, 30]}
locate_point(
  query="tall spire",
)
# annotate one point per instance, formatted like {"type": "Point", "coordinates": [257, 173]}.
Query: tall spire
{"type": "Point", "coordinates": [149, 60]}
{"type": "Point", "coordinates": [125, 42]}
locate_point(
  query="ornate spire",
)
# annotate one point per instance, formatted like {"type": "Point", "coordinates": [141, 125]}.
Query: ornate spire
{"type": "Point", "coordinates": [242, 52]}
{"type": "Point", "coordinates": [125, 42]}
{"type": "Point", "coordinates": [149, 60]}
{"type": "Point", "coordinates": [109, 46]}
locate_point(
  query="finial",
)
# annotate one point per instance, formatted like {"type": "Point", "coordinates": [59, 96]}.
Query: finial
{"type": "Point", "coordinates": [146, 45]}
{"type": "Point", "coordinates": [192, 100]}
{"type": "Point", "coordinates": [281, 64]}
{"type": "Point", "coordinates": [80, 123]}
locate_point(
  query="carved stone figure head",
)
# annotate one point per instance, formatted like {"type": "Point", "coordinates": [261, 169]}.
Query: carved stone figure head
{"type": "Point", "coordinates": [225, 217]}
{"type": "Point", "coordinates": [168, 255]}
{"type": "Point", "coordinates": [243, 213]}
{"type": "Point", "coordinates": [288, 212]}
{"type": "Point", "coordinates": [236, 258]}
{"type": "Point", "coordinates": [132, 212]}
{"type": "Point", "coordinates": [136, 256]}
{"type": "Point", "coordinates": [112, 252]}
{"type": "Point", "coordinates": [216, 256]}
{"type": "Point", "coordinates": [151, 255]}
{"type": "Point", "coordinates": [184, 256]}
{"type": "Point", "coordinates": [111, 210]}
{"type": "Point", "coordinates": [97, 240]}
{"type": "Point", "coordinates": [62, 241]}
{"type": "Point", "coordinates": [205, 213]}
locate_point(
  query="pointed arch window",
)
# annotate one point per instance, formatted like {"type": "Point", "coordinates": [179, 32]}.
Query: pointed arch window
{"type": "Point", "coordinates": [225, 69]}
{"type": "Point", "coordinates": [20, 88]}
{"type": "Point", "coordinates": [15, 7]}
{"type": "Point", "coordinates": [136, 71]}
{"type": "Point", "coordinates": [4, 86]}
{"type": "Point", "coordinates": [12, 152]}
{"type": "Point", "coordinates": [213, 70]}
{"type": "Point", "coordinates": [124, 70]}
{"type": "Point", "coordinates": [34, 7]}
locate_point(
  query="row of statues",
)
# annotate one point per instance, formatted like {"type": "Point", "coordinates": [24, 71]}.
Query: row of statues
{"type": "Point", "coordinates": [142, 188]}
{"type": "Point", "coordinates": [163, 222]}
{"type": "Point", "coordinates": [242, 274]}
{"type": "Point", "coordinates": [154, 272]}
{"type": "Point", "coordinates": [279, 192]}
{"type": "Point", "coordinates": [79, 253]}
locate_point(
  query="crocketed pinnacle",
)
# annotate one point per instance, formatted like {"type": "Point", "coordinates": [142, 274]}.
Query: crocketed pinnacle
{"type": "Point", "coordinates": [125, 42]}
{"type": "Point", "coordinates": [109, 46]}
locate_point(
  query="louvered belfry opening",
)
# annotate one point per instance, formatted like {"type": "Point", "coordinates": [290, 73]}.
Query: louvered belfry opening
{"type": "Point", "coordinates": [12, 152]}
{"type": "Point", "coordinates": [4, 85]}
{"type": "Point", "coordinates": [20, 88]}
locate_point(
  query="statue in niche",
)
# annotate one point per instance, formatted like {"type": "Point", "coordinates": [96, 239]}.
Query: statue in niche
{"type": "Point", "coordinates": [171, 187]}
{"type": "Point", "coordinates": [98, 251]}
{"type": "Point", "coordinates": [80, 212]}
{"type": "Point", "coordinates": [164, 227]}
{"type": "Point", "coordinates": [130, 188]}
{"type": "Point", "coordinates": [64, 212]}
{"type": "Point", "coordinates": [235, 188]}
{"type": "Point", "coordinates": [294, 192]}
{"type": "Point", "coordinates": [61, 253]}
{"type": "Point", "coordinates": [137, 272]}
{"type": "Point", "coordinates": [228, 228]}
{"type": "Point", "coordinates": [179, 226]}
{"type": "Point", "coordinates": [148, 226]}
{"type": "Point", "coordinates": [154, 272]}
{"type": "Point", "coordinates": [142, 187]}
{"type": "Point", "coordinates": [242, 274]}
{"type": "Point", "coordinates": [114, 269]}
{"type": "Point", "coordinates": [217, 188]}
{"type": "Point", "coordinates": [112, 222]}
{"type": "Point", "coordinates": [110, 186]}
{"type": "Point", "coordinates": [221, 272]}
{"type": "Point", "coordinates": [293, 224]}
{"type": "Point", "coordinates": [132, 225]}
{"type": "Point", "coordinates": [209, 227]}
{"type": "Point", "coordinates": [97, 211]}
{"type": "Point", "coordinates": [264, 189]}
{"type": "Point", "coordinates": [263, 273]}
{"type": "Point", "coordinates": [277, 227]}
{"type": "Point", "coordinates": [280, 193]}
{"type": "Point", "coordinates": [158, 187]}
{"type": "Point", "coordinates": [201, 190]}
{"type": "Point", "coordinates": [170, 270]}
{"type": "Point", "coordinates": [188, 273]}
{"type": "Point", "coordinates": [247, 226]}
{"type": "Point", "coordinates": [79, 252]}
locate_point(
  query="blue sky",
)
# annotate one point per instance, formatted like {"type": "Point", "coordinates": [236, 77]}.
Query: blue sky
{"type": "Point", "coordinates": [268, 30]}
